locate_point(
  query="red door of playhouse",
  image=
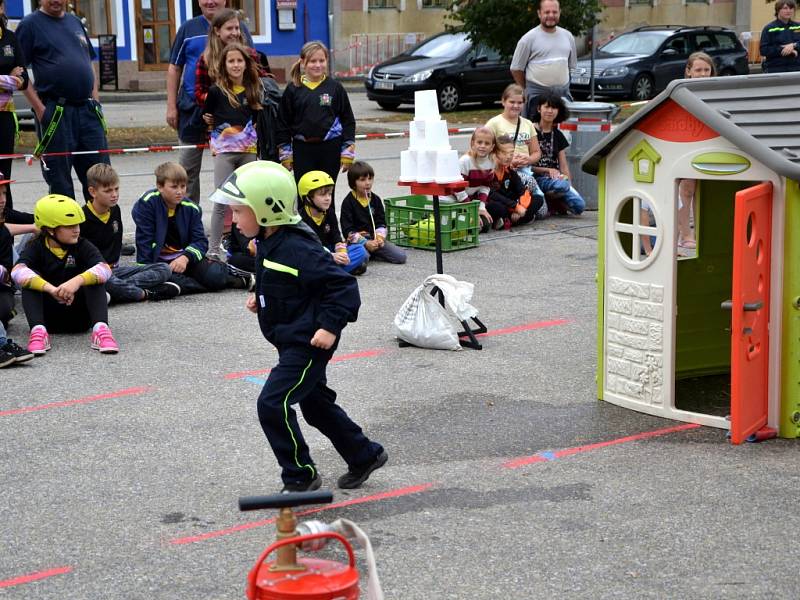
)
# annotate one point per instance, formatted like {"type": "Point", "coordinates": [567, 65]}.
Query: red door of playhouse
{"type": "Point", "coordinates": [752, 230]}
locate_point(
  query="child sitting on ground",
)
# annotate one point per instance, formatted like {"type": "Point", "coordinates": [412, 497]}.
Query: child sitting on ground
{"type": "Point", "coordinates": [62, 277]}
{"type": "Point", "coordinates": [103, 227]}
{"type": "Point", "coordinates": [509, 200]}
{"type": "Point", "coordinates": [317, 211]}
{"type": "Point", "coordinates": [303, 301]}
{"type": "Point", "coordinates": [170, 230]}
{"type": "Point", "coordinates": [552, 170]}
{"type": "Point", "coordinates": [9, 351]}
{"type": "Point", "coordinates": [363, 218]}
{"type": "Point", "coordinates": [477, 168]}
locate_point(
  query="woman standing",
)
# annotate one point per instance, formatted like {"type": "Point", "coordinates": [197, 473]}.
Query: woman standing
{"type": "Point", "coordinates": [13, 76]}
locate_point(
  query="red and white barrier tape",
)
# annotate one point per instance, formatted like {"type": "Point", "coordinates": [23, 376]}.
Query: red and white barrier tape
{"type": "Point", "coordinates": [172, 148]}
{"type": "Point", "coordinates": [580, 124]}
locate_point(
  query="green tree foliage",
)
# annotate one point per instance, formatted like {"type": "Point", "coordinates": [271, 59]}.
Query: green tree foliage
{"type": "Point", "coordinates": [500, 23]}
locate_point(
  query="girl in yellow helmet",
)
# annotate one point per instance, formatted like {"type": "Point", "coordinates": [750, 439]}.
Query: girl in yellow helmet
{"type": "Point", "coordinates": [62, 277]}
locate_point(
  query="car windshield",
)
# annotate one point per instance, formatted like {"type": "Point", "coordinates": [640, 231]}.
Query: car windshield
{"type": "Point", "coordinates": [637, 42]}
{"type": "Point", "coordinates": [443, 46]}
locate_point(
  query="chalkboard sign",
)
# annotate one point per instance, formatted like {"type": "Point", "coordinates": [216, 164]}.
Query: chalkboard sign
{"type": "Point", "coordinates": [108, 61]}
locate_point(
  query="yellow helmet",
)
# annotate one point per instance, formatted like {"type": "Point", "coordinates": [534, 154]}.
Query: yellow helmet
{"type": "Point", "coordinates": [266, 187]}
{"type": "Point", "coordinates": [56, 210]}
{"type": "Point", "coordinates": [313, 180]}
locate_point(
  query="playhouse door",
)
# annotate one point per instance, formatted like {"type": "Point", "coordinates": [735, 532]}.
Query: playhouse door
{"type": "Point", "coordinates": [752, 229]}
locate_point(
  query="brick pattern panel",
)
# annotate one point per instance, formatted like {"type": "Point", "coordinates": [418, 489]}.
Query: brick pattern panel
{"type": "Point", "coordinates": [634, 340]}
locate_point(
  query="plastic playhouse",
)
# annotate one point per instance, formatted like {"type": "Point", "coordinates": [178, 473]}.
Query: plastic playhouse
{"type": "Point", "coordinates": [726, 317]}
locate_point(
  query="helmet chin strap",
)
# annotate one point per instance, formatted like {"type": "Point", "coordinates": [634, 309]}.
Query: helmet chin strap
{"type": "Point", "coordinates": [312, 204]}
{"type": "Point", "coordinates": [49, 232]}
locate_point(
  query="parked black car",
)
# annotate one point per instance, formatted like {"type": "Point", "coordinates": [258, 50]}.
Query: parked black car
{"type": "Point", "coordinates": [640, 63]}
{"type": "Point", "coordinates": [447, 63]}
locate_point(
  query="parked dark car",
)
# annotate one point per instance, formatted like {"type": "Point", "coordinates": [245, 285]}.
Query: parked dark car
{"type": "Point", "coordinates": [447, 63]}
{"type": "Point", "coordinates": [640, 63]}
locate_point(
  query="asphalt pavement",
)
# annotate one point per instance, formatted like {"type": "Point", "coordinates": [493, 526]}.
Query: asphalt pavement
{"type": "Point", "coordinates": [506, 477]}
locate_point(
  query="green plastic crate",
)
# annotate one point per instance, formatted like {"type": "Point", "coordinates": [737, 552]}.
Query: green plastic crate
{"type": "Point", "coordinates": [410, 223]}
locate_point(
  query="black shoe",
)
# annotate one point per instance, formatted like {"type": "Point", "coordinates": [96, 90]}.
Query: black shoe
{"type": "Point", "coordinates": [6, 358]}
{"type": "Point", "coordinates": [128, 250]}
{"type": "Point", "coordinates": [359, 270]}
{"type": "Point", "coordinates": [303, 486]}
{"type": "Point", "coordinates": [355, 477]}
{"type": "Point", "coordinates": [18, 353]}
{"type": "Point", "coordinates": [163, 291]}
{"type": "Point", "coordinates": [225, 241]}
{"type": "Point", "coordinates": [239, 282]}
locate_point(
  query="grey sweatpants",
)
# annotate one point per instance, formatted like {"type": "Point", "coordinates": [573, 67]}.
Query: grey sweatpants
{"type": "Point", "coordinates": [224, 165]}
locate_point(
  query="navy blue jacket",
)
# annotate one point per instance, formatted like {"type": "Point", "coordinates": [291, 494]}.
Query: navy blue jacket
{"type": "Point", "coordinates": [299, 288]}
{"type": "Point", "coordinates": [773, 37]}
{"type": "Point", "coordinates": [150, 215]}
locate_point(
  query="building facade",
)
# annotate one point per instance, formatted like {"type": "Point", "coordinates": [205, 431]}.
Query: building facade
{"type": "Point", "coordinates": [144, 30]}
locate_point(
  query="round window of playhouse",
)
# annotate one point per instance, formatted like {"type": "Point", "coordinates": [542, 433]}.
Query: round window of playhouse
{"type": "Point", "coordinates": [637, 231]}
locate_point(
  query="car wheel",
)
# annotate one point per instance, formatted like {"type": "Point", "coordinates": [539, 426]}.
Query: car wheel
{"type": "Point", "coordinates": [449, 96]}
{"type": "Point", "coordinates": [643, 87]}
{"type": "Point", "coordinates": [388, 105]}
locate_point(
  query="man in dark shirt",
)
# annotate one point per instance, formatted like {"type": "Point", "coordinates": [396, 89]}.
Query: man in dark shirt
{"type": "Point", "coordinates": [780, 40]}
{"type": "Point", "coordinates": [65, 99]}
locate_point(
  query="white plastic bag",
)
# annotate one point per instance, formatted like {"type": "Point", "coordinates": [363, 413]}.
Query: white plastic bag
{"type": "Point", "coordinates": [457, 295]}
{"type": "Point", "coordinates": [425, 323]}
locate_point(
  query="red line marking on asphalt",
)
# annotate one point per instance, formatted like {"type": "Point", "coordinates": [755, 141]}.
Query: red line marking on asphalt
{"type": "Point", "coordinates": [87, 400]}
{"type": "Point", "coordinates": [335, 359]}
{"type": "Point", "coordinates": [34, 577]}
{"type": "Point", "coordinates": [379, 351]}
{"type": "Point", "coordinates": [537, 458]}
{"type": "Point", "coordinates": [525, 327]}
{"type": "Point", "coordinates": [414, 489]}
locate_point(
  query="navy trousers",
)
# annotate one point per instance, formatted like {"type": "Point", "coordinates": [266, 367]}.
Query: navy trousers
{"type": "Point", "coordinates": [299, 378]}
{"type": "Point", "coordinates": [80, 128]}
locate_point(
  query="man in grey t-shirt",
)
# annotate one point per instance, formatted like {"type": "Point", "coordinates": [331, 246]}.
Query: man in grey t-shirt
{"type": "Point", "coordinates": [544, 56]}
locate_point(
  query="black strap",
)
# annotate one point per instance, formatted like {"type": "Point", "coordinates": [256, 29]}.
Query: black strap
{"type": "Point", "coordinates": [516, 133]}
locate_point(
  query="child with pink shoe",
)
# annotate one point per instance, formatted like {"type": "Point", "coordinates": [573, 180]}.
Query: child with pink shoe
{"type": "Point", "coordinates": [62, 277]}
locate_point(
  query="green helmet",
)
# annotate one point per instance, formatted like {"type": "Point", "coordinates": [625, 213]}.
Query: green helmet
{"type": "Point", "coordinates": [264, 186]}
{"type": "Point", "coordinates": [55, 210]}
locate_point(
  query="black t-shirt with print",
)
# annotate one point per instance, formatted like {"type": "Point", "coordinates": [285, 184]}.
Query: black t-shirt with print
{"type": "Point", "coordinates": [551, 143]}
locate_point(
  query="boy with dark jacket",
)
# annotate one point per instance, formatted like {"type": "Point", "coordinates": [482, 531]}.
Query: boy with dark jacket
{"type": "Point", "coordinates": [303, 301]}
{"type": "Point", "coordinates": [103, 227]}
{"type": "Point", "coordinates": [170, 230]}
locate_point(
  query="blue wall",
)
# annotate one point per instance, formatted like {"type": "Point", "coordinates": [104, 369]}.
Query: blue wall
{"type": "Point", "coordinates": [284, 43]}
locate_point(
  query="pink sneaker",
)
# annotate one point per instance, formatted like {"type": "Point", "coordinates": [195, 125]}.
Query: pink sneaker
{"type": "Point", "coordinates": [103, 341]}
{"type": "Point", "coordinates": [39, 341]}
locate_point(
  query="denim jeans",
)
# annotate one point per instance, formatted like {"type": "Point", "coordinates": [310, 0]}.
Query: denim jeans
{"type": "Point", "coordinates": [127, 283]}
{"type": "Point", "coordinates": [572, 198]}
{"type": "Point", "coordinates": [80, 128]}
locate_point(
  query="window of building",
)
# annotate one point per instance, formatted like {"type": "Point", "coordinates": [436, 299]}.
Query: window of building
{"type": "Point", "coordinates": [383, 3]}
{"type": "Point", "coordinates": [436, 3]}
{"type": "Point", "coordinates": [95, 14]}
{"type": "Point", "coordinates": [250, 10]}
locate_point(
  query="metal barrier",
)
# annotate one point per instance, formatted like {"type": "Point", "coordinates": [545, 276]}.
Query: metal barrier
{"type": "Point", "coordinates": [365, 50]}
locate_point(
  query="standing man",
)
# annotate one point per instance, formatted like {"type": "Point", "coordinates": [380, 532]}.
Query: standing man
{"type": "Point", "coordinates": [183, 113]}
{"type": "Point", "coordinates": [780, 40]}
{"type": "Point", "coordinates": [544, 57]}
{"type": "Point", "coordinates": [64, 97]}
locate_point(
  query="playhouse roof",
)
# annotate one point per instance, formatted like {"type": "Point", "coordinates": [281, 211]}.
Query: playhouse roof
{"type": "Point", "coordinates": [758, 113]}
